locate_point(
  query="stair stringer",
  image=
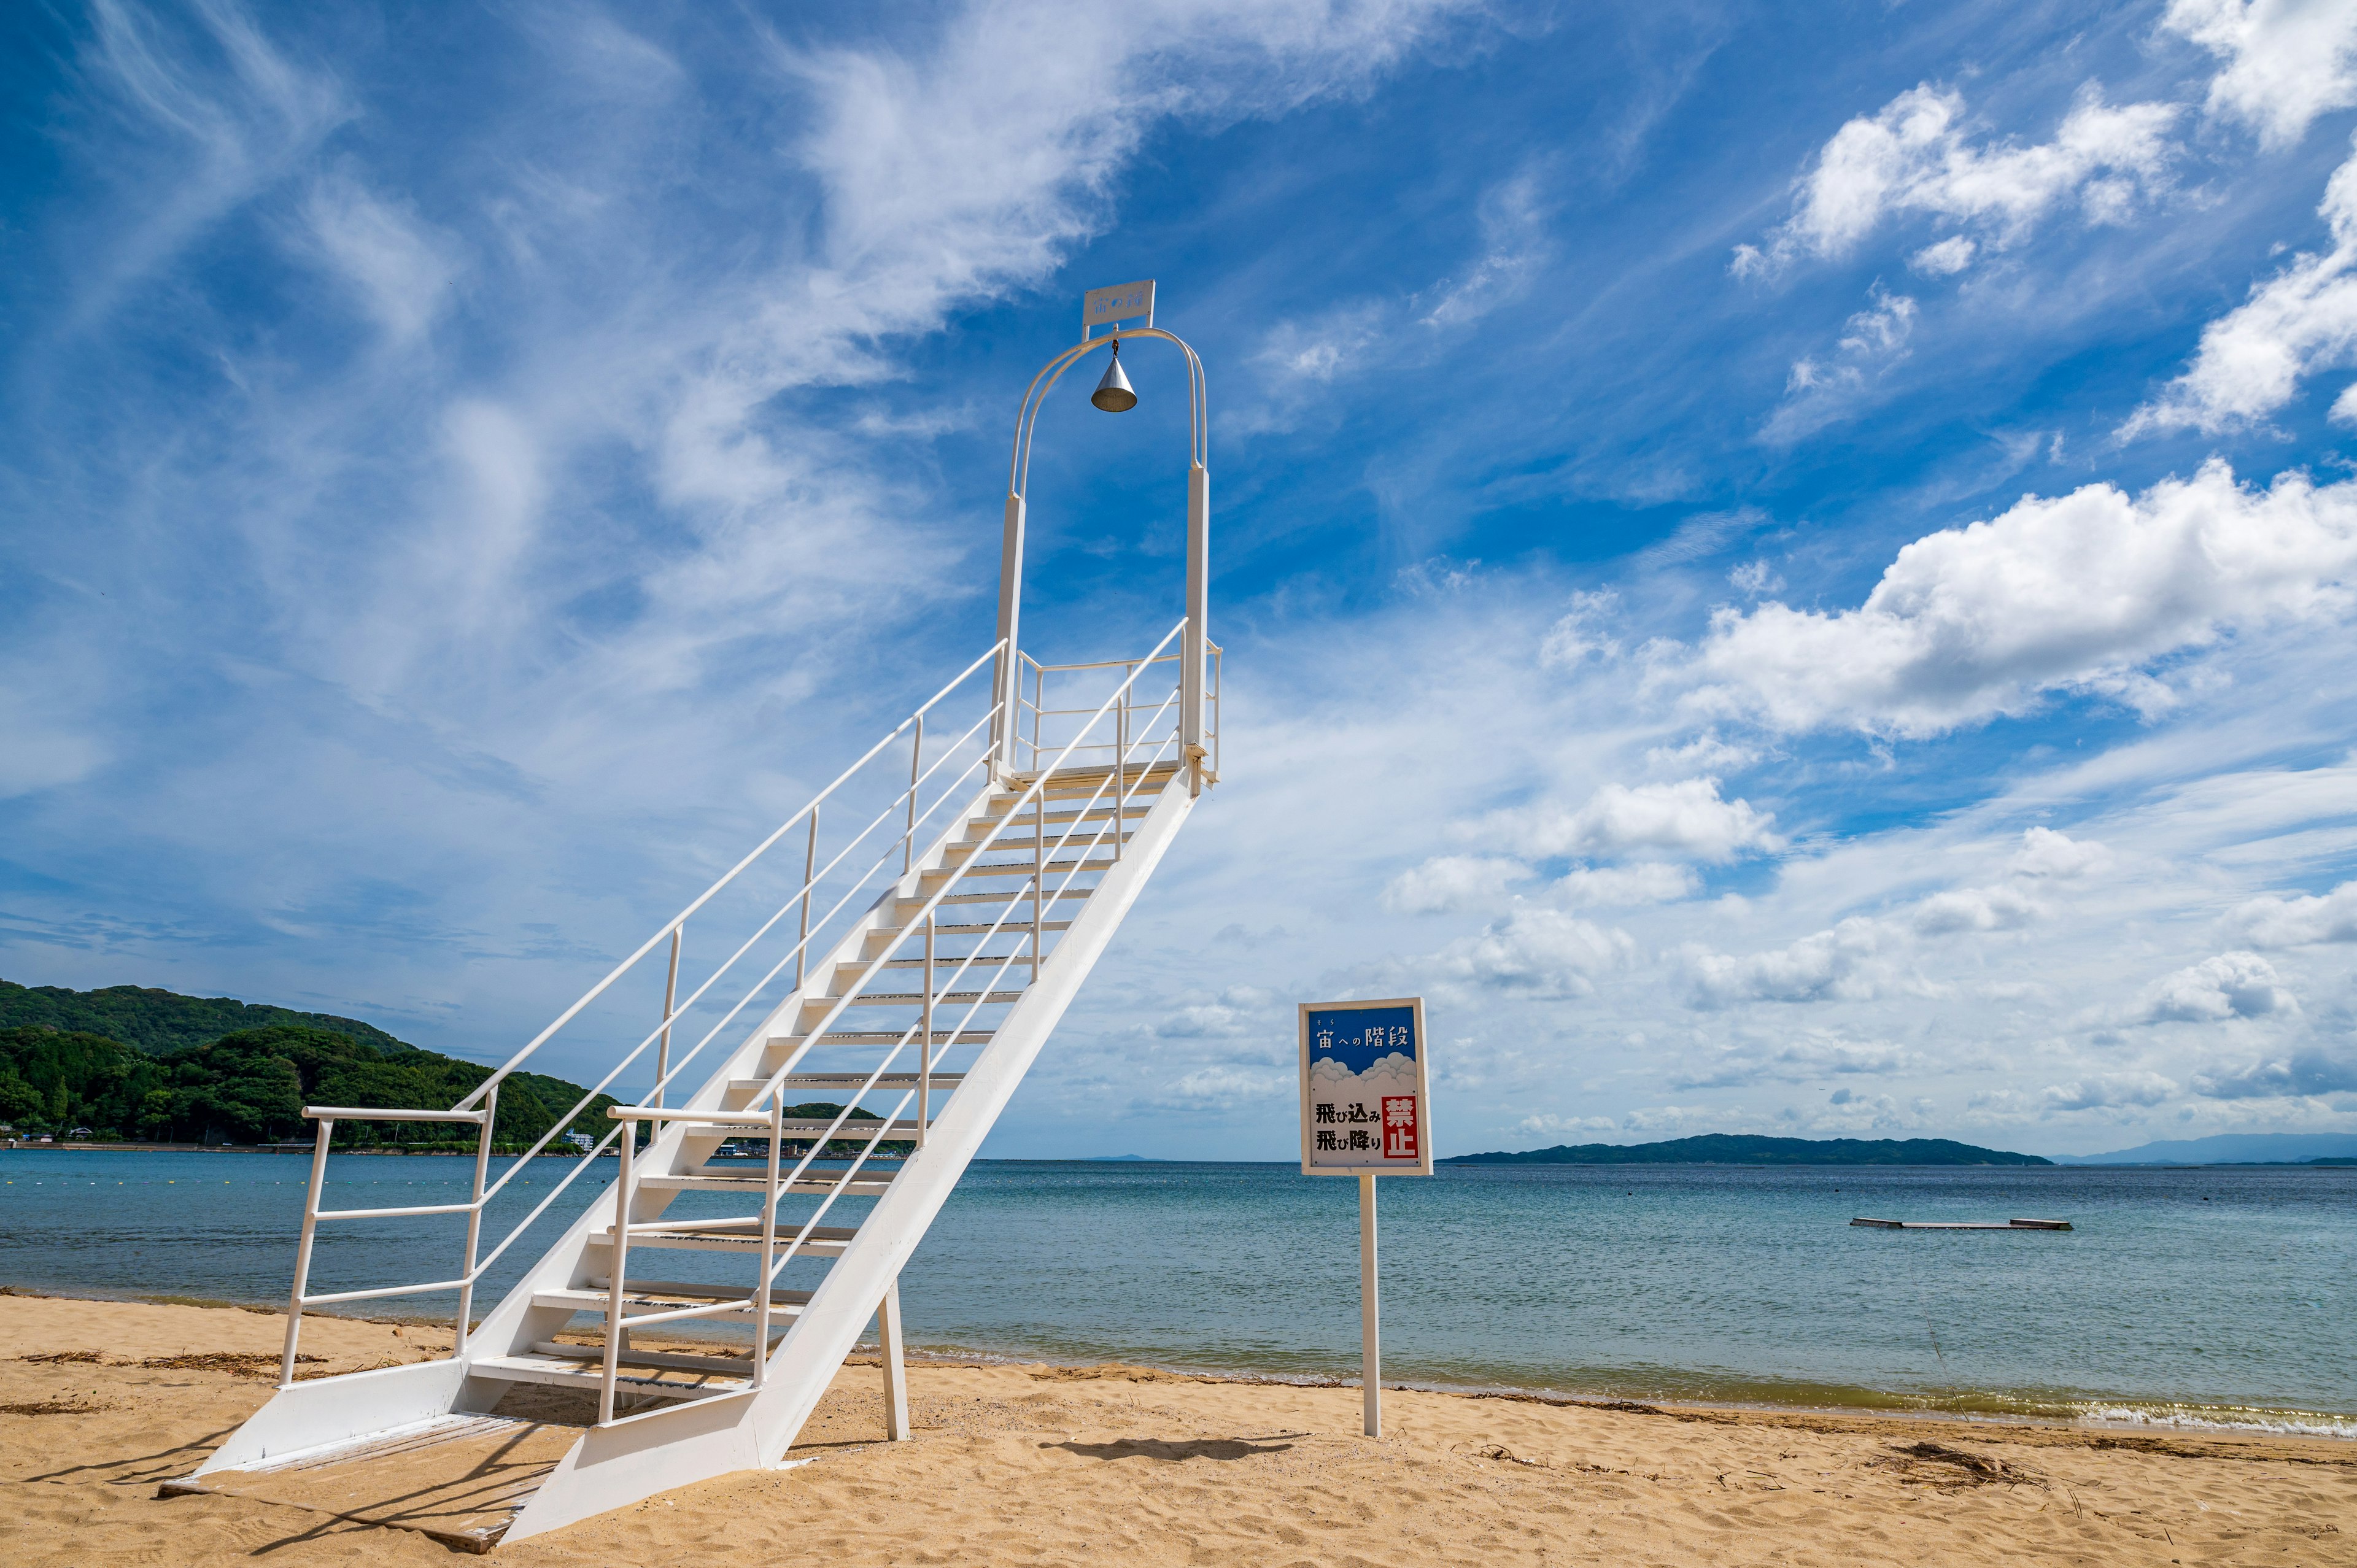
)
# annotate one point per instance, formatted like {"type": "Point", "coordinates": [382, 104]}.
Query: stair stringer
{"type": "Point", "coordinates": [640, 1455]}
{"type": "Point", "coordinates": [321, 1413]}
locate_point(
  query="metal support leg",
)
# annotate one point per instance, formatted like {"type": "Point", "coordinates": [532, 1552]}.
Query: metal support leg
{"type": "Point", "coordinates": [620, 1251]}
{"type": "Point", "coordinates": [895, 1371]}
{"type": "Point", "coordinates": [1370, 1342]}
{"type": "Point", "coordinates": [475, 1220]}
{"type": "Point", "coordinates": [303, 1253]}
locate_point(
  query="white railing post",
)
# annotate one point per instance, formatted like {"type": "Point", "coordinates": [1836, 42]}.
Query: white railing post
{"type": "Point", "coordinates": [618, 1261]}
{"type": "Point", "coordinates": [1190, 645]}
{"type": "Point", "coordinates": [916, 766]}
{"type": "Point", "coordinates": [303, 1252]}
{"type": "Point", "coordinates": [769, 1241]}
{"type": "Point", "coordinates": [1005, 681]}
{"type": "Point", "coordinates": [670, 1002]}
{"type": "Point", "coordinates": [809, 875]}
{"type": "Point", "coordinates": [475, 1218]}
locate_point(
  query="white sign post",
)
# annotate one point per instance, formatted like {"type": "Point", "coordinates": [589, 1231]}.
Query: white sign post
{"type": "Point", "coordinates": [1366, 1111]}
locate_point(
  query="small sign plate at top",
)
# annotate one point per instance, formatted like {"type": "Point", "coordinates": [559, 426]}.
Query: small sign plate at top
{"type": "Point", "coordinates": [1366, 1101]}
{"type": "Point", "coordinates": [1104, 306]}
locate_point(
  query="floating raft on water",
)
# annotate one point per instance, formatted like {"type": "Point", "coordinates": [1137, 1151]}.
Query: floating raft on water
{"type": "Point", "coordinates": [1964, 1225]}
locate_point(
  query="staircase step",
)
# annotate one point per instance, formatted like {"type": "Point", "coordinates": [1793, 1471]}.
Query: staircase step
{"type": "Point", "coordinates": [743, 1236]}
{"type": "Point", "coordinates": [667, 1295]}
{"type": "Point", "coordinates": [912, 999]}
{"type": "Point", "coordinates": [844, 1082]}
{"type": "Point", "coordinates": [946, 963]}
{"type": "Point", "coordinates": [670, 1361]}
{"type": "Point", "coordinates": [881, 1037]}
{"type": "Point", "coordinates": [908, 909]}
{"type": "Point", "coordinates": [935, 878]}
{"type": "Point", "coordinates": [699, 1181]}
{"type": "Point", "coordinates": [1009, 843]}
{"type": "Point", "coordinates": [568, 1372]}
{"type": "Point", "coordinates": [849, 1081]}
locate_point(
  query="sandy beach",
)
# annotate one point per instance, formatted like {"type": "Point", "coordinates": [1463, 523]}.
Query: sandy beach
{"type": "Point", "coordinates": [103, 1401]}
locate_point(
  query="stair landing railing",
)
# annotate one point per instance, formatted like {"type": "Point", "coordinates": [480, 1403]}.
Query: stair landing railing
{"type": "Point", "coordinates": [823, 893]}
{"type": "Point", "coordinates": [1121, 771]}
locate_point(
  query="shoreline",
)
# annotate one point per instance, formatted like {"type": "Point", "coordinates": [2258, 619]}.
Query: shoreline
{"type": "Point", "coordinates": [2266, 1423]}
{"type": "Point", "coordinates": [1028, 1464]}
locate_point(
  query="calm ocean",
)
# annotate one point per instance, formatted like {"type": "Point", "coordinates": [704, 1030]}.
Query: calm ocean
{"type": "Point", "coordinates": [2203, 1297]}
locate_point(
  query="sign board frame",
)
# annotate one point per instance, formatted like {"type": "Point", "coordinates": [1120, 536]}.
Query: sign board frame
{"type": "Point", "coordinates": [1121, 302]}
{"type": "Point", "coordinates": [1420, 1128]}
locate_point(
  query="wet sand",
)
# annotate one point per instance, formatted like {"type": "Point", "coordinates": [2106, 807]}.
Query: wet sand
{"type": "Point", "coordinates": [101, 1402]}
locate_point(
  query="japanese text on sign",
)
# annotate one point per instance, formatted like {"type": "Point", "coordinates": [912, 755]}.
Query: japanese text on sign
{"type": "Point", "coordinates": [1364, 1088]}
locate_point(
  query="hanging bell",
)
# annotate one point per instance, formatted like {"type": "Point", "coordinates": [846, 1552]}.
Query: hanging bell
{"type": "Point", "coordinates": [1113, 394]}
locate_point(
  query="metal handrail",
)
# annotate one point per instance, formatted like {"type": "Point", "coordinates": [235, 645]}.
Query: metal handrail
{"type": "Point", "coordinates": [903, 804]}
{"type": "Point", "coordinates": [819, 1143]}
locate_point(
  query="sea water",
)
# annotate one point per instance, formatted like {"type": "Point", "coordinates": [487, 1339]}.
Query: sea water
{"type": "Point", "coordinates": [2216, 1296]}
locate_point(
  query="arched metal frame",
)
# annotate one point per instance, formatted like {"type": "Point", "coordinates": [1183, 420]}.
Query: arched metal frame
{"type": "Point", "coordinates": [1198, 519]}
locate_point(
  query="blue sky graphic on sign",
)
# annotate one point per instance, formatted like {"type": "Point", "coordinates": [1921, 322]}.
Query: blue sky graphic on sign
{"type": "Point", "coordinates": [1357, 1037]}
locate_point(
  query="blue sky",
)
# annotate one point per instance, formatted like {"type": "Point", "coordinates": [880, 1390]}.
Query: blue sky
{"type": "Point", "coordinates": [1790, 570]}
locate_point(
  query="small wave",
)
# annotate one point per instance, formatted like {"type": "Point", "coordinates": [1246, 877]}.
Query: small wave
{"type": "Point", "coordinates": [2222, 1418]}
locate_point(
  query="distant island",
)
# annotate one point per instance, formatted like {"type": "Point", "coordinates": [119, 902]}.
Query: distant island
{"type": "Point", "coordinates": [1748, 1149]}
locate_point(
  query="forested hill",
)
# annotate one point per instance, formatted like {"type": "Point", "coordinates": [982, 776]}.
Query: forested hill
{"type": "Point", "coordinates": [1746, 1149]}
{"type": "Point", "coordinates": [158, 1021]}
{"type": "Point", "coordinates": [243, 1085]}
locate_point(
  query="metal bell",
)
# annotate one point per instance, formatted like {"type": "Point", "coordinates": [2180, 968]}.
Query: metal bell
{"type": "Point", "coordinates": [1114, 393]}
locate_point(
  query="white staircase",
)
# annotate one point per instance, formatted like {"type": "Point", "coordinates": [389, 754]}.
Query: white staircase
{"type": "Point", "coordinates": [897, 996]}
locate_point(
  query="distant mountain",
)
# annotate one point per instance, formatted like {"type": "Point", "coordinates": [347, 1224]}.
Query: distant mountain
{"type": "Point", "coordinates": [133, 1063]}
{"type": "Point", "coordinates": [1746, 1149]}
{"type": "Point", "coordinates": [2228, 1149]}
{"type": "Point", "coordinates": [159, 1021]}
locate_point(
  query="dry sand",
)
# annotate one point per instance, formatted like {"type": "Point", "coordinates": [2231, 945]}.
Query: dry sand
{"type": "Point", "coordinates": [100, 1401]}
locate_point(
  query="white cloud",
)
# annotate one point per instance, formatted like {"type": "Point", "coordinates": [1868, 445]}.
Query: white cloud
{"type": "Point", "coordinates": [1755, 579]}
{"type": "Point", "coordinates": [1872, 340]}
{"type": "Point", "coordinates": [2271, 922]}
{"type": "Point", "coordinates": [1917, 155]}
{"type": "Point", "coordinates": [2252, 359]}
{"type": "Point", "coordinates": [1625, 886]}
{"type": "Point", "coordinates": [1542, 951]}
{"type": "Point", "coordinates": [2109, 1090]}
{"type": "Point", "coordinates": [1946, 259]}
{"type": "Point", "coordinates": [1578, 635]}
{"type": "Point", "coordinates": [1975, 910]}
{"type": "Point", "coordinates": [1817, 1055]}
{"type": "Point", "coordinates": [2287, 61]}
{"type": "Point", "coordinates": [2045, 852]}
{"type": "Point", "coordinates": [2072, 593]}
{"type": "Point", "coordinates": [1452, 881]}
{"type": "Point", "coordinates": [1212, 1088]}
{"type": "Point", "coordinates": [400, 269]}
{"type": "Point", "coordinates": [2231, 985]}
{"type": "Point", "coordinates": [1844, 963]}
{"type": "Point", "coordinates": [1686, 818]}
{"type": "Point", "coordinates": [2300, 1072]}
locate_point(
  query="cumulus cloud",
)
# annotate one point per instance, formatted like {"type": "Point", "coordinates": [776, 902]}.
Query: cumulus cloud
{"type": "Point", "coordinates": [1975, 910]}
{"type": "Point", "coordinates": [2287, 61]}
{"type": "Point", "coordinates": [2109, 1090]}
{"type": "Point", "coordinates": [1452, 881]}
{"type": "Point", "coordinates": [1625, 886]}
{"type": "Point", "coordinates": [1919, 154]}
{"type": "Point", "coordinates": [2271, 922]}
{"type": "Point", "coordinates": [2231, 985]}
{"type": "Point", "coordinates": [1814, 1056]}
{"type": "Point", "coordinates": [1541, 951]}
{"type": "Point", "coordinates": [2070, 593]}
{"type": "Point", "coordinates": [2297, 1073]}
{"type": "Point", "coordinates": [2251, 359]}
{"type": "Point", "coordinates": [1844, 963]}
{"type": "Point", "coordinates": [2047, 854]}
{"type": "Point", "coordinates": [1686, 818]}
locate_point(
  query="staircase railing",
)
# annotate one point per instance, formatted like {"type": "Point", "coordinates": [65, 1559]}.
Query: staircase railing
{"type": "Point", "coordinates": [911, 811]}
{"type": "Point", "coordinates": [1126, 776]}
